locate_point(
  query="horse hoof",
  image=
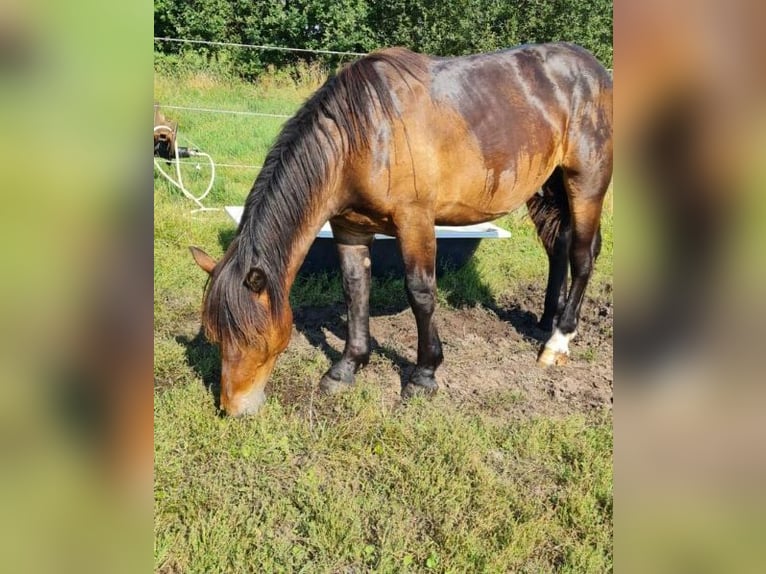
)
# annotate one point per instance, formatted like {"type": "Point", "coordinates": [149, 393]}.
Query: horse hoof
{"type": "Point", "coordinates": [424, 388]}
{"type": "Point", "coordinates": [330, 386]}
{"type": "Point", "coordinates": [556, 350]}
{"type": "Point", "coordinates": [549, 357]}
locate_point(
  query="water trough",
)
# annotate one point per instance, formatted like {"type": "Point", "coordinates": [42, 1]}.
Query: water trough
{"type": "Point", "coordinates": [454, 247]}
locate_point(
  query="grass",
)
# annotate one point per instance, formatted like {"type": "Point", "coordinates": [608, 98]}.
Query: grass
{"type": "Point", "coordinates": [369, 489]}
{"type": "Point", "coordinates": [347, 484]}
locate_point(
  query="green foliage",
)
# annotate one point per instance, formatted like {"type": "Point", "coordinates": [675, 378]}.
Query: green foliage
{"type": "Point", "coordinates": [430, 26]}
{"type": "Point", "coordinates": [585, 22]}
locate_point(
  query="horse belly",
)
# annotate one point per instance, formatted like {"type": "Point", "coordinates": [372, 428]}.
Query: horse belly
{"type": "Point", "coordinates": [479, 193]}
{"type": "Point", "coordinates": [357, 222]}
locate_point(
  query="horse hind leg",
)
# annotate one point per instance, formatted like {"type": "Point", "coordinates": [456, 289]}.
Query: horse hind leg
{"type": "Point", "coordinates": [355, 265]}
{"type": "Point", "coordinates": [549, 211]}
{"type": "Point", "coordinates": [586, 192]}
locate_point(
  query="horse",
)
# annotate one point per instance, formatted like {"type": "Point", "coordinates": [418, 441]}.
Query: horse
{"type": "Point", "coordinates": [164, 135]}
{"type": "Point", "coordinates": [395, 143]}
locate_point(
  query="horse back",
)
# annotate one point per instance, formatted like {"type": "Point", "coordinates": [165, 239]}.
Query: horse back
{"type": "Point", "coordinates": [475, 136]}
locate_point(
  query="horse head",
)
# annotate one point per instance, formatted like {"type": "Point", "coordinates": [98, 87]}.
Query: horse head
{"type": "Point", "coordinates": [238, 316]}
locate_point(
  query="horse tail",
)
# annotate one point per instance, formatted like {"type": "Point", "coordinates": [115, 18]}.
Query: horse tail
{"type": "Point", "coordinates": [549, 210]}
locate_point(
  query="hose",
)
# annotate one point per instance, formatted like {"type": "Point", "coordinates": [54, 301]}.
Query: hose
{"type": "Point", "coordinates": [180, 183]}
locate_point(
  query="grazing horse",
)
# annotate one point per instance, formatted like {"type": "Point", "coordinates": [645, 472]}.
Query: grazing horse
{"type": "Point", "coordinates": [395, 143]}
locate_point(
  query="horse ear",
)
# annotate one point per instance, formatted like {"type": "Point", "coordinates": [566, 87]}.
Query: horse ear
{"type": "Point", "coordinates": [203, 259]}
{"type": "Point", "coordinates": [255, 280]}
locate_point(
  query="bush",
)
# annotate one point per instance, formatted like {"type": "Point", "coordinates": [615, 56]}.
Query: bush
{"type": "Point", "coordinates": [431, 26]}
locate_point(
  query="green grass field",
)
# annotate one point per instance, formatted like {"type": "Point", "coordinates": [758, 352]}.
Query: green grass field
{"type": "Point", "coordinates": [350, 483]}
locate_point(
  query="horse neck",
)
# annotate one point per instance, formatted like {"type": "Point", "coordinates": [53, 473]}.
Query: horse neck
{"type": "Point", "coordinates": [325, 202]}
{"type": "Point", "coordinates": [303, 242]}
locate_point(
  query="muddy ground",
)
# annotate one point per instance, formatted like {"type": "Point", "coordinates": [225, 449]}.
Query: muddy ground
{"type": "Point", "coordinates": [490, 355]}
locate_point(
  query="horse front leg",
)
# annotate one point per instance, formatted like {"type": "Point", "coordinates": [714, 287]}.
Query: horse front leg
{"type": "Point", "coordinates": [418, 245]}
{"type": "Point", "coordinates": [355, 265]}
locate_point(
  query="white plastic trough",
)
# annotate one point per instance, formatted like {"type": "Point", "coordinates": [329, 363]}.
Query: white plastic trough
{"type": "Point", "coordinates": [455, 246]}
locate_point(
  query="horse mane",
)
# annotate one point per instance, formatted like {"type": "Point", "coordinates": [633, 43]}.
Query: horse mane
{"type": "Point", "coordinates": [287, 190]}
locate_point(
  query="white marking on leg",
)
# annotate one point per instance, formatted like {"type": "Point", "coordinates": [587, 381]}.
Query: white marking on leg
{"type": "Point", "coordinates": [559, 342]}
{"type": "Point", "coordinates": [556, 349]}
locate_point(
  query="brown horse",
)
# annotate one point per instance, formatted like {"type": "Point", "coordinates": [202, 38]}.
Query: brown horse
{"type": "Point", "coordinates": [395, 143]}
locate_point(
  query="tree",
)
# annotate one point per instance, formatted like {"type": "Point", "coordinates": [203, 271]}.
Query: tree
{"type": "Point", "coordinates": [432, 26]}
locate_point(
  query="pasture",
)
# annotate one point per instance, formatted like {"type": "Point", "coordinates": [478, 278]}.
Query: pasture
{"type": "Point", "coordinates": [507, 469]}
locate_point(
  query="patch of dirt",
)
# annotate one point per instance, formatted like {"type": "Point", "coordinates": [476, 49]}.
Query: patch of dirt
{"type": "Point", "coordinates": [490, 355]}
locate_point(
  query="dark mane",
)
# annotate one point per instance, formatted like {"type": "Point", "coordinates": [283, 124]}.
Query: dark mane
{"type": "Point", "coordinates": [286, 192]}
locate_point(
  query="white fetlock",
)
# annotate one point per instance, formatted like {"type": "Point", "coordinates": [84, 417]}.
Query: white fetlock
{"type": "Point", "coordinates": [556, 350]}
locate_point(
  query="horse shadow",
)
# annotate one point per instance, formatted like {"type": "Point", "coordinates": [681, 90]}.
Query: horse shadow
{"type": "Point", "coordinates": [463, 288]}
{"type": "Point", "coordinates": [205, 360]}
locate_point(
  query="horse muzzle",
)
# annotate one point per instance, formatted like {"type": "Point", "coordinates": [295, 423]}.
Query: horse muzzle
{"type": "Point", "coordinates": [245, 404]}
